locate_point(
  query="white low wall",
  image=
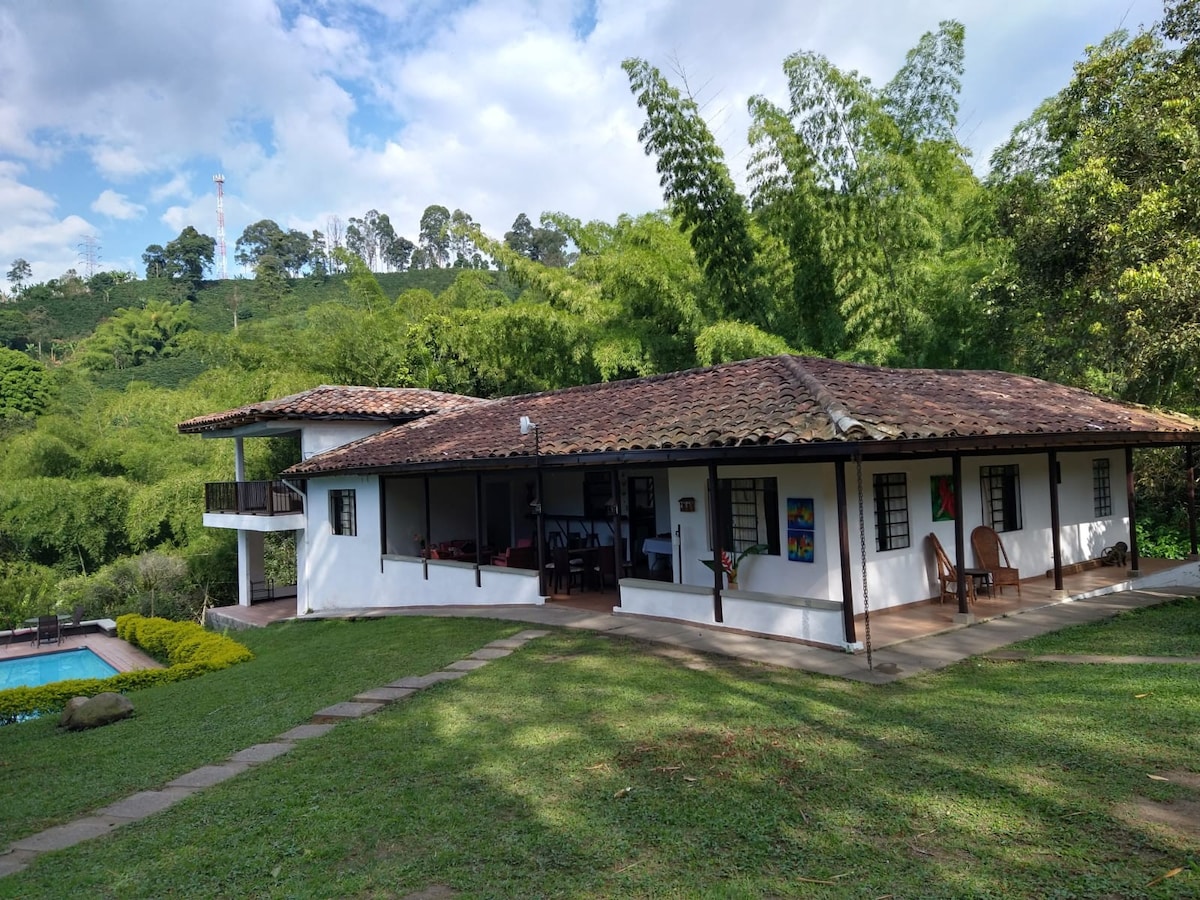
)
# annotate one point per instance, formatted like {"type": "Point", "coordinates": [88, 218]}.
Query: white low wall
{"type": "Point", "coordinates": [452, 583]}
{"type": "Point", "coordinates": [686, 602]}
{"type": "Point", "coordinates": [807, 619]}
{"type": "Point", "coordinates": [803, 618]}
{"type": "Point", "coordinates": [402, 582]}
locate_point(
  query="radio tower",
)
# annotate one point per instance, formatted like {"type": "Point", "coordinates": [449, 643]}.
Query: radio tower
{"type": "Point", "coordinates": [220, 182]}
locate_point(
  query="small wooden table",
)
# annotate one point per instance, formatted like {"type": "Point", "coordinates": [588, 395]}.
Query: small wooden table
{"type": "Point", "coordinates": [982, 579]}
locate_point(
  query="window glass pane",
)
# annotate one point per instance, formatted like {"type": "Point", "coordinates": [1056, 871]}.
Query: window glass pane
{"type": "Point", "coordinates": [891, 511]}
{"type": "Point", "coordinates": [1102, 487]}
{"type": "Point", "coordinates": [1001, 494]}
{"type": "Point", "coordinates": [342, 515]}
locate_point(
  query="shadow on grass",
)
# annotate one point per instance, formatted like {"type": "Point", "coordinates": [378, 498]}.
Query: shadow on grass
{"type": "Point", "coordinates": [588, 766]}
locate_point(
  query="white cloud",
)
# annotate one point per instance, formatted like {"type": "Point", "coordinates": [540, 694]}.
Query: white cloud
{"type": "Point", "coordinates": [493, 106]}
{"type": "Point", "coordinates": [176, 187]}
{"type": "Point", "coordinates": [31, 230]}
{"type": "Point", "coordinates": [117, 206]}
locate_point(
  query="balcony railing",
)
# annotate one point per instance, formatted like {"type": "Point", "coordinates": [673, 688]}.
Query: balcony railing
{"type": "Point", "coordinates": [253, 498]}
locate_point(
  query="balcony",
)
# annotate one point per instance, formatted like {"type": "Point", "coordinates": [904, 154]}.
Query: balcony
{"type": "Point", "coordinates": [252, 498]}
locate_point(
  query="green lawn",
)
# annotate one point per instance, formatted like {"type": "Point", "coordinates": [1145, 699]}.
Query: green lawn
{"type": "Point", "coordinates": [585, 766]}
{"type": "Point", "coordinates": [1172, 629]}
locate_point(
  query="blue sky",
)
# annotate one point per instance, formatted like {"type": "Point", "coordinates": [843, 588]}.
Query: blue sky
{"type": "Point", "coordinates": [115, 114]}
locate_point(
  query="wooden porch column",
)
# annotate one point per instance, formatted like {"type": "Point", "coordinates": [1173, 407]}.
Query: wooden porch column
{"type": "Point", "coordinates": [478, 528]}
{"type": "Point", "coordinates": [428, 533]}
{"type": "Point", "coordinates": [618, 562]}
{"type": "Point", "coordinates": [382, 495]}
{"type": "Point", "coordinates": [960, 543]}
{"type": "Point", "coordinates": [1055, 524]}
{"type": "Point", "coordinates": [714, 506]}
{"type": "Point", "coordinates": [540, 538]}
{"type": "Point", "coordinates": [1133, 547]}
{"type": "Point", "coordinates": [839, 471]}
{"type": "Point", "coordinates": [239, 460]}
{"type": "Point", "coordinates": [1191, 498]}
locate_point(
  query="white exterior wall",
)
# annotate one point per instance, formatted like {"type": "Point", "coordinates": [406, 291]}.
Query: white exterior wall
{"type": "Point", "coordinates": [767, 574]}
{"type": "Point", "coordinates": [317, 436]}
{"type": "Point", "coordinates": [350, 572]}
{"type": "Point", "coordinates": [775, 596]}
{"type": "Point", "coordinates": [908, 574]}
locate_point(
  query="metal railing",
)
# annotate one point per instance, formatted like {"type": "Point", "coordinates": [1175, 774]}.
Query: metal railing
{"type": "Point", "coordinates": [254, 498]}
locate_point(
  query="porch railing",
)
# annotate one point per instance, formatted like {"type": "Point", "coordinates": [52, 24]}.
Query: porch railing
{"type": "Point", "coordinates": [255, 498]}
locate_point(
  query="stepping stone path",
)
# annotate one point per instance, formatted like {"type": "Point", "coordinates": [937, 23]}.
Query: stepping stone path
{"type": "Point", "coordinates": [20, 854]}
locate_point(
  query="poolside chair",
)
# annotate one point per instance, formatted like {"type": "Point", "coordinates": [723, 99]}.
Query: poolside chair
{"type": "Point", "coordinates": [76, 621]}
{"type": "Point", "coordinates": [48, 630]}
{"type": "Point", "coordinates": [990, 552]}
{"type": "Point", "coordinates": [948, 575]}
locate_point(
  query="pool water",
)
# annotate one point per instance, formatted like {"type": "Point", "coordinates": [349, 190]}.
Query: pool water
{"type": "Point", "coordinates": [30, 671]}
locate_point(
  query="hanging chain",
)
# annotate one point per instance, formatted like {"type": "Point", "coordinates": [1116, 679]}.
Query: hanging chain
{"type": "Point", "coordinates": [862, 555]}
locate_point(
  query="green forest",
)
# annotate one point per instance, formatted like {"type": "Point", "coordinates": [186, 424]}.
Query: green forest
{"type": "Point", "coordinates": [865, 233]}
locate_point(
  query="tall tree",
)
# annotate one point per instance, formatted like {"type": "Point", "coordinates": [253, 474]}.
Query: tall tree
{"type": "Point", "coordinates": [434, 239]}
{"type": "Point", "coordinates": [1099, 194]}
{"type": "Point", "coordinates": [866, 188]}
{"type": "Point", "coordinates": [155, 260]}
{"type": "Point", "coordinates": [189, 255]}
{"type": "Point", "coordinates": [698, 187]}
{"type": "Point", "coordinates": [19, 273]}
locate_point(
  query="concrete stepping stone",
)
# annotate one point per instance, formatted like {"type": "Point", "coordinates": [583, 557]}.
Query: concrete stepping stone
{"type": "Point", "coordinates": [301, 732]}
{"type": "Point", "coordinates": [207, 776]}
{"type": "Point", "coordinates": [62, 836]}
{"type": "Point", "coordinates": [347, 710]}
{"type": "Point", "coordinates": [466, 665]}
{"type": "Point", "coordinates": [384, 694]}
{"type": "Point", "coordinates": [262, 752]}
{"type": "Point", "coordinates": [420, 682]}
{"type": "Point", "coordinates": [491, 653]}
{"type": "Point", "coordinates": [15, 861]}
{"type": "Point", "coordinates": [530, 634]}
{"type": "Point", "coordinates": [505, 644]}
{"type": "Point", "coordinates": [145, 803]}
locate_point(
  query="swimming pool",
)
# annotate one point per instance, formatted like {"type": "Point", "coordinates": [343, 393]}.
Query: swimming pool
{"type": "Point", "coordinates": [30, 671]}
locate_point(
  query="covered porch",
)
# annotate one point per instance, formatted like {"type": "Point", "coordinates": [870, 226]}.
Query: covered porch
{"type": "Point", "coordinates": [917, 620]}
{"type": "Point", "coordinates": [888, 627]}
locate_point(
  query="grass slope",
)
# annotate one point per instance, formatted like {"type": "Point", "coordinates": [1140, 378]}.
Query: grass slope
{"type": "Point", "coordinates": [588, 766]}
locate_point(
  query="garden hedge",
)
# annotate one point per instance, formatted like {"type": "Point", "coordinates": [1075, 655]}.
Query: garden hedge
{"type": "Point", "coordinates": [187, 649]}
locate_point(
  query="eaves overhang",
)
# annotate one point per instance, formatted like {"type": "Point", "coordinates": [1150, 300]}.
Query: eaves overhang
{"type": "Point", "coordinates": [815, 452]}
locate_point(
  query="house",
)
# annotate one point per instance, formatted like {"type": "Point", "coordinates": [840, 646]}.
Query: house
{"type": "Point", "coordinates": [837, 471]}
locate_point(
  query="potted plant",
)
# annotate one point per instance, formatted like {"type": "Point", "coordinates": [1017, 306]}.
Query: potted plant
{"type": "Point", "coordinates": [730, 563]}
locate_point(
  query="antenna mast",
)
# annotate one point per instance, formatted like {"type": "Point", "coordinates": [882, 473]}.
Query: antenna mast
{"type": "Point", "coordinates": [220, 182]}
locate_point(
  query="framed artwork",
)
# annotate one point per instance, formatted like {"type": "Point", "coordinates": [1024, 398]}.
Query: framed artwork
{"type": "Point", "coordinates": [801, 529]}
{"type": "Point", "coordinates": [800, 513]}
{"type": "Point", "coordinates": [801, 546]}
{"type": "Point", "coordinates": [941, 495]}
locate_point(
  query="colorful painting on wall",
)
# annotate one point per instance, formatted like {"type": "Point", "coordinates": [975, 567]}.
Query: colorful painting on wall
{"type": "Point", "coordinates": [801, 529]}
{"type": "Point", "coordinates": [801, 547]}
{"type": "Point", "coordinates": [941, 495]}
{"type": "Point", "coordinates": [800, 513]}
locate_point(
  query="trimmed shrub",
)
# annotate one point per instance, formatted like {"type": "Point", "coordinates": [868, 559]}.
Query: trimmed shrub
{"type": "Point", "coordinates": [186, 648]}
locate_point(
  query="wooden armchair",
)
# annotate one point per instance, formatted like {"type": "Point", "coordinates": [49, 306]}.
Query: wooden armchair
{"type": "Point", "coordinates": [948, 575]}
{"type": "Point", "coordinates": [992, 556]}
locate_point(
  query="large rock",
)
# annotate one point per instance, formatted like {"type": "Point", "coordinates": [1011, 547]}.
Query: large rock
{"type": "Point", "coordinates": [92, 712]}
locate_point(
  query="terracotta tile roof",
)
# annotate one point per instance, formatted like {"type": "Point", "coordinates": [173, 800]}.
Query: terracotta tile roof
{"type": "Point", "coordinates": [780, 400]}
{"type": "Point", "coordinates": [334, 402]}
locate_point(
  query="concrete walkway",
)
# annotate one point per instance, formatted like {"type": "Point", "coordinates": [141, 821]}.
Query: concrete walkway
{"type": "Point", "coordinates": [886, 665]}
{"type": "Point", "coordinates": [19, 854]}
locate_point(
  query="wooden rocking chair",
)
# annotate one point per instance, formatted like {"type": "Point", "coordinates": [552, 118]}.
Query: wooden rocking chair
{"type": "Point", "coordinates": [948, 574]}
{"type": "Point", "coordinates": [989, 552]}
